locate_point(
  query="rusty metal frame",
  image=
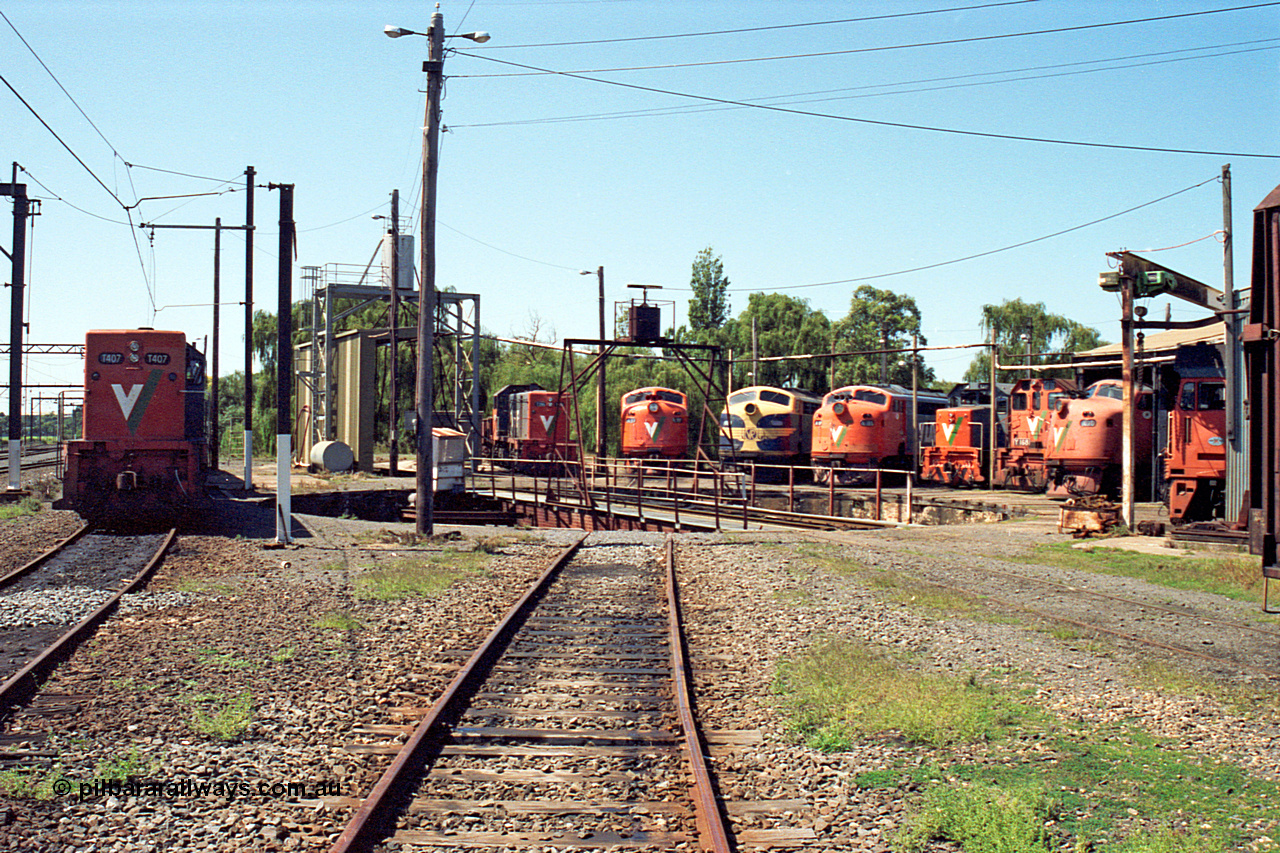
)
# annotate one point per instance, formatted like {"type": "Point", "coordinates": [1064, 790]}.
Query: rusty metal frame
{"type": "Point", "coordinates": [1263, 370]}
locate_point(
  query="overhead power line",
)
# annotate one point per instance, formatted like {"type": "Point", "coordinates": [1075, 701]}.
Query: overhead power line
{"type": "Point", "coordinates": [908, 46]}
{"type": "Point", "coordinates": [990, 251]}
{"type": "Point", "coordinates": [767, 28]}
{"type": "Point", "coordinates": [838, 94]}
{"type": "Point", "coordinates": [878, 122]}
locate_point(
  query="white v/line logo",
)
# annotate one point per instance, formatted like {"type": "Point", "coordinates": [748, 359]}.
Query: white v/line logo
{"type": "Point", "coordinates": [129, 400]}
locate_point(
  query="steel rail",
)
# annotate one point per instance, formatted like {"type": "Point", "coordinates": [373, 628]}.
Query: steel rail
{"type": "Point", "coordinates": [38, 561]}
{"type": "Point", "coordinates": [712, 834]}
{"type": "Point", "coordinates": [24, 683]}
{"type": "Point", "coordinates": [373, 817]}
{"type": "Point", "coordinates": [1173, 611]}
{"type": "Point", "coordinates": [1090, 626]}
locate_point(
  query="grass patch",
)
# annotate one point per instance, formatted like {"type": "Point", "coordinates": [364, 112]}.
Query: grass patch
{"type": "Point", "coordinates": [224, 720]}
{"type": "Point", "coordinates": [1161, 676]}
{"type": "Point", "coordinates": [981, 818]}
{"type": "Point", "coordinates": [205, 587]}
{"type": "Point", "coordinates": [30, 785]}
{"type": "Point", "coordinates": [1237, 576]}
{"type": "Point", "coordinates": [223, 660]}
{"type": "Point", "coordinates": [1094, 788]}
{"type": "Point", "coordinates": [423, 576]}
{"type": "Point", "coordinates": [285, 654]}
{"type": "Point", "coordinates": [125, 767]}
{"type": "Point", "coordinates": [336, 620]}
{"type": "Point", "coordinates": [838, 690]}
{"type": "Point", "coordinates": [25, 506]}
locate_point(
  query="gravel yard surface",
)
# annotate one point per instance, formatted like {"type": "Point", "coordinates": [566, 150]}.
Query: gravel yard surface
{"type": "Point", "coordinates": [244, 669]}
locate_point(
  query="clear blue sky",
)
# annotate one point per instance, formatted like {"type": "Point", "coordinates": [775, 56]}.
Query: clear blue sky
{"type": "Point", "coordinates": [544, 175]}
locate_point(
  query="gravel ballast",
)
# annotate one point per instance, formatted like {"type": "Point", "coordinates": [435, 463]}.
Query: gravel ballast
{"type": "Point", "coordinates": [244, 669]}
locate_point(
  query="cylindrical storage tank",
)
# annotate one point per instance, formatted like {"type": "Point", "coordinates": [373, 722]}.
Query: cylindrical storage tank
{"type": "Point", "coordinates": [333, 456]}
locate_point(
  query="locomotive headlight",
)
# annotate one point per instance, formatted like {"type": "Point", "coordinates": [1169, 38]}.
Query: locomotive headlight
{"type": "Point", "coordinates": [653, 407]}
{"type": "Point", "coordinates": [838, 408]}
{"type": "Point", "coordinates": [134, 346]}
{"type": "Point", "coordinates": [133, 357]}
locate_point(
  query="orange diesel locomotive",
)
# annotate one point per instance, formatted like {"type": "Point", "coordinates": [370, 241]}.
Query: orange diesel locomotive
{"type": "Point", "coordinates": [867, 426]}
{"type": "Point", "coordinates": [1195, 458]}
{"type": "Point", "coordinates": [529, 423]}
{"type": "Point", "coordinates": [141, 458]}
{"type": "Point", "coordinates": [1083, 444]}
{"type": "Point", "coordinates": [1021, 464]}
{"type": "Point", "coordinates": [655, 423]}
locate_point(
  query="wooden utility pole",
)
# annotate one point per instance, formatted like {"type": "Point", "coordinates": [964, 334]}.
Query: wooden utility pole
{"type": "Point", "coordinates": [1128, 396]}
{"type": "Point", "coordinates": [393, 380]}
{"type": "Point", "coordinates": [424, 498]}
{"type": "Point", "coordinates": [992, 426]}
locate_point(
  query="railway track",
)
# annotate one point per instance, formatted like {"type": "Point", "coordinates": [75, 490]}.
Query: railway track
{"type": "Point", "coordinates": [1182, 630]}
{"type": "Point", "coordinates": [572, 726]}
{"type": "Point", "coordinates": [49, 605]}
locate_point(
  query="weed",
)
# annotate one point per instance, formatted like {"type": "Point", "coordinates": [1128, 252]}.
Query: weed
{"type": "Point", "coordinates": [981, 818]}
{"type": "Point", "coordinates": [1192, 839]}
{"type": "Point", "coordinates": [1234, 576]}
{"type": "Point", "coordinates": [423, 576]}
{"type": "Point", "coordinates": [129, 683]}
{"type": "Point", "coordinates": [336, 620]}
{"type": "Point", "coordinates": [28, 785]}
{"type": "Point", "coordinates": [285, 654]}
{"type": "Point", "coordinates": [26, 506]}
{"type": "Point", "coordinates": [227, 722]}
{"type": "Point", "coordinates": [125, 767]}
{"type": "Point", "coordinates": [839, 689]}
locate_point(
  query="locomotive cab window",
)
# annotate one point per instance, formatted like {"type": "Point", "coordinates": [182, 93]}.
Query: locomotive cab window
{"type": "Point", "coordinates": [633, 398]}
{"type": "Point", "coordinates": [1212, 397]}
{"type": "Point", "coordinates": [1018, 401]}
{"type": "Point", "coordinates": [742, 397]}
{"type": "Point", "coordinates": [873, 397]}
{"type": "Point", "coordinates": [671, 397]}
{"type": "Point", "coordinates": [775, 397]}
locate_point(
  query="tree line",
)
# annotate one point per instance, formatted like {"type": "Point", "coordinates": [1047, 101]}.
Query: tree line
{"type": "Point", "coordinates": [873, 339]}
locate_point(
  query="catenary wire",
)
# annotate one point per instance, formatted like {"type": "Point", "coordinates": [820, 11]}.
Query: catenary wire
{"type": "Point", "coordinates": [881, 123]}
{"type": "Point", "coordinates": [802, 97]}
{"type": "Point", "coordinates": [763, 28]}
{"type": "Point", "coordinates": [883, 48]}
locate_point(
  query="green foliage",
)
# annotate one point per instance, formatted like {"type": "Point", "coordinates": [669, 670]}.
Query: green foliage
{"type": "Point", "coordinates": [838, 689]}
{"type": "Point", "coordinates": [1051, 338]}
{"type": "Point", "coordinates": [781, 325]}
{"type": "Point", "coordinates": [709, 305]}
{"type": "Point", "coordinates": [336, 620]}
{"type": "Point", "coordinates": [418, 578]}
{"type": "Point", "coordinates": [29, 784]}
{"type": "Point", "coordinates": [224, 720]}
{"type": "Point", "coordinates": [1235, 576]}
{"type": "Point", "coordinates": [981, 818]}
{"type": "Point", "coordinates": [878, 319]}
{"type": "Point", "coordinates": [25, 506]}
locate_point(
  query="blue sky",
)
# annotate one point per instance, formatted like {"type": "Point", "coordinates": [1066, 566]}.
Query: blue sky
{"type": "Point", "coordinates": [543, 175]}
